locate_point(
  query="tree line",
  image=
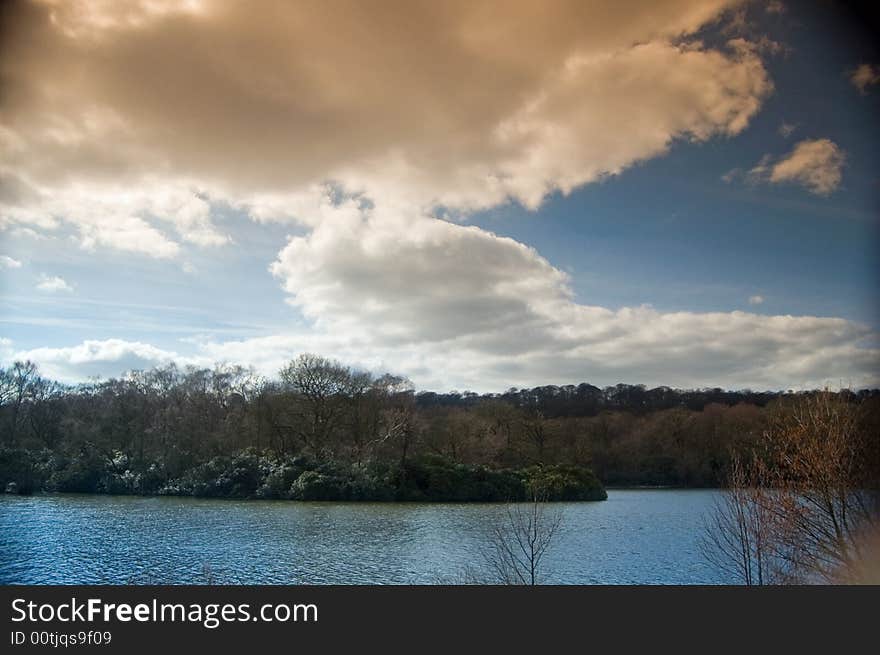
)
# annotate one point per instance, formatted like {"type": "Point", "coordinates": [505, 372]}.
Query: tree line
{"type": "Point", "coordinates": [324, 430]}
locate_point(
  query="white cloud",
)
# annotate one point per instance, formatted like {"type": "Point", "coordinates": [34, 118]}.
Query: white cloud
{"type": "Point", "coordinates": [756, 300]}
{"type": "Point", "coordinates": [8, 262]}
{"type": "Point", "coordinates": [815, 164]}
{"type": "Point", "coordinates": [864, 76]}
{"type": "Point", "coordinates": [475, 111]}
{"type": "Point", "coordinates": [107, 215]}
{"type": "Point", "coordinates": [414, 278]}
{"type": "Point", "coordinates": [53, 284]}
{"type": "Point", "coordinates": [92, 358]}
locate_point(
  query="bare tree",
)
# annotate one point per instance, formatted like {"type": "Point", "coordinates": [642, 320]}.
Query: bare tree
{"type": "Point", "coordinates": [45, 411]}
{"type": "Point", "coordinates": [16, 388]}
{"type": "Point", "coordinates": [738, 536]}
{"type": "Point", "coordinates": [519, 542]}
{"type": "Point", "coordinates": [535, 426]}
{"type": "Point", "coordinates": [322, 385]}
{"type": "Point", "coordinates": [825, 479]}
{"type": "Point", "coordinates": [501, 417]}
{"type": "Point", "coordinates": [804, 513]}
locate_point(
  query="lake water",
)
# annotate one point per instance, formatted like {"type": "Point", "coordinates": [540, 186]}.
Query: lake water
{"type": "Point", "coordinates": [635, 537]}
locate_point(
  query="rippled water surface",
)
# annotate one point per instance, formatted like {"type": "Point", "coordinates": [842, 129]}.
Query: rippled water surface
{"type": "Point", "coordinates": [636, 536]}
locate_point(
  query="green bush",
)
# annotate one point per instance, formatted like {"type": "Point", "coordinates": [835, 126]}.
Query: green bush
{"type": "Point", "coordinates": [252, 474]}
{"type": "Point", "coordinates": [439, 480]}
{"type": "Point", "coordinates": [85, 471]}
{"type": "Point", "coordinates": [20, 470]}
{"type": "Point", "coordinates": [312, 485]}
{"type": "Point", "coordinates": [561, 482]}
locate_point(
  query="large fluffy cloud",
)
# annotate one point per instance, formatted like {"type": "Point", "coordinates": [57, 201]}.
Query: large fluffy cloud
{"type": "Point", "coordinates": [432, 296]}
{"type": "Point", "coordinates": [405, 279]}
{"type": "Point", "coordinates": [109, 106]}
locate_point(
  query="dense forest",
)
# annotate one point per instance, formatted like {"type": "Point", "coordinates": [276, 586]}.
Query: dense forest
{"type": "Point", "coordinates": [325, 431]}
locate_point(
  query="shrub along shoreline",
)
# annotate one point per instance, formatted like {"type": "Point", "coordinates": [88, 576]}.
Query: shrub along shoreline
{"type": "Point", "coordinates": [253, 475]}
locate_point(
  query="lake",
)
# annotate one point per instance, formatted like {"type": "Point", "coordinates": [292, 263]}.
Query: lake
{"type": "Point", "coordinates": [635, 537]}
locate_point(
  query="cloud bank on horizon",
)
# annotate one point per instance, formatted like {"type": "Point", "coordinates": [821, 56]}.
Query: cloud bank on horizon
{"type": "Point", "coordinates": [375, 131]}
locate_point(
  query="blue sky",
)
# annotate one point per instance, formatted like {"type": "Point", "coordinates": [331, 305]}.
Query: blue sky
{"type": "Point", "coordinates": [689, 242]}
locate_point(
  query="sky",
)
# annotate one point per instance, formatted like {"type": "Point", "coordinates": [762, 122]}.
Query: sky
{"type": "Point", "coordinates": [476, 195]}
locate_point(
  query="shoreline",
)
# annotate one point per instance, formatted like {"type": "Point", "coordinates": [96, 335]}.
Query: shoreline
{"type": "Point", "coordinates": [350, 501]}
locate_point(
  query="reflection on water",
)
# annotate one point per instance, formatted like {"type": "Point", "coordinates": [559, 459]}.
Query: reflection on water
{"type": "Point", "coordinates": [636, 536]}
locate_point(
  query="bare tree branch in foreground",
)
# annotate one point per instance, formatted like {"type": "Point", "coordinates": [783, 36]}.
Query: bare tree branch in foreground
{"type": "Point", "coordinates": [806, 511]}
{"type": "Point", "coordinates": [738, 535]}
{"type": "Point", "coordinates": [520, 541]}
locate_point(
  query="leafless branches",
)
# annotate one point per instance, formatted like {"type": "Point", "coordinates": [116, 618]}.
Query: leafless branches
{"type": "Point", "coordinates": [738, 537]}
{"type": "Point", "coordinates": [519, 543]}
{"type": "Point", "coordinates": [801, 512]}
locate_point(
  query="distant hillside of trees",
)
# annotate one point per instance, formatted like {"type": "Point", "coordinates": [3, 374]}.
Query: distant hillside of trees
{"type": "Point", "coordinates": [323, 430]}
